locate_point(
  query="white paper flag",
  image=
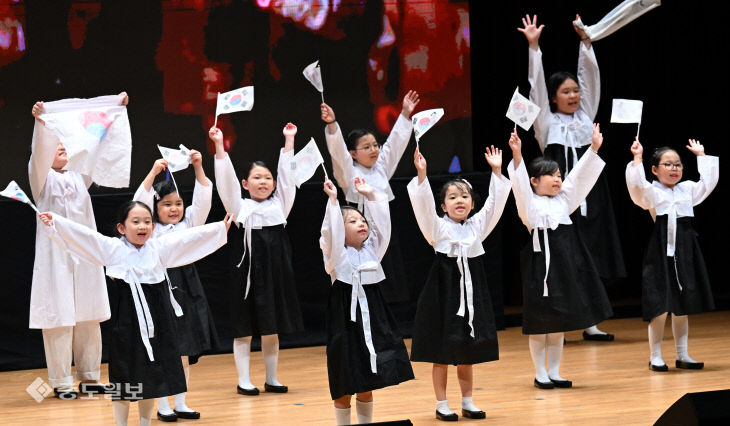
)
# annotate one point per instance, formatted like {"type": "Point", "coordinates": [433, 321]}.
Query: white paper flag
{"type": "Point", "coordinates": [234, 101]}
{"type": "Point", "coordinates": [177, 159]}
{"type": "Point", "coordinates": [96, 135]}
{"type": "Point", "coordinates": [313, 73]}
{"type": "Point", "coordinates": [424, 120]}
{"type": "Point", "coordinates": [617, 18]}
{"type": "Point", "coordinates": [305, 162]}
{"type": "Point", "coordinates": [13, 191]}
{"type": "Point", "coordinates": [626, 111]}
{"type": "Point", "coordinates": [522, 111]}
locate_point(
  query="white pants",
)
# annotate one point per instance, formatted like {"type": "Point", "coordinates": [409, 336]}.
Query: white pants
{"type": "Point", "coordinates": [80, 343]}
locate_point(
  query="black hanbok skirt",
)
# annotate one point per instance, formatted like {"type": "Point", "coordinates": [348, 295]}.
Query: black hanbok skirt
{"type": "Point", "coordinates": [131, 373]}
{"type": "Point", "coordinates": [272, 306]}
{"type": "Point", "coordinates": [442, 337]}
{"type": "Point", "coordinates": [598, 228]}
{"type": "Point", "coordinates": [348, 358]}
{"type": "Point", "coordinates": [576, 296]}
{"type": "Point", "coordinates": [196, 333]}
{"type": "Point", "coordinates": [660, 291]}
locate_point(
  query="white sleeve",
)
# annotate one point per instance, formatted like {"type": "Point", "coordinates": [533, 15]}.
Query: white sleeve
{"type": "Point", "coordinates": [381, 231]}
{"type": "Point", "coordinates": [332, 236]}
{"type": "Point", "coordinates": [709, 168]}
{"type": "Point", "coordinates": [521, 189]}
{"type": "Point", "coordinates": [342, 166]}
{"type": "Point", "coordinates": [640, 190]}
{"type": "Point", "coordinates": [286, 185]}
{"type": "Point", "coordinates": [589, 80]}
{"type": "Point", "coordinates": [424, 209]}
{"type": "Point", "coordinates": [197, 213]}
{"type": "Point", "coordinates": [229, 187]}
{"type": "Point", "coordinates": [144, 196]}
{"type": "Point", "coordinates": [396, 144]}
{"type": "Point", "coordinates": [488, 216]}
{"type": "Point", "coordinates": [43, 151]}
{"type": "Point", "coordinates": [188, 245]}
{"type": "Point", "coordinates": [581, 179]}
{"type": "Point", "coordinates": [84, 242]}
{"type": "Point", "coordinates": [539, 96]}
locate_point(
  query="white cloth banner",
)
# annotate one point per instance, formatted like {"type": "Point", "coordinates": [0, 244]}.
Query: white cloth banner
{"type": "Point", "coordinates": [96, 135]}
{"type": "Point", "coordinates": [521, 111]}
{"type": "Point", "coordinates": [424, 120]}
{"type": "Point", "coordinates": [617, 18]}
{"type": "Point", "coordinates": [626, 111]}
{"type": "Point", "coordinates": [314, 74]}
{"type": "Point", "coordinates": [177, 159]}
{"type": "Point", "coordinates": [305, 162]}
{"type": "Point", "coordinates": [13, 191]}
{"type": "Point", "coordinates": [236, 100]}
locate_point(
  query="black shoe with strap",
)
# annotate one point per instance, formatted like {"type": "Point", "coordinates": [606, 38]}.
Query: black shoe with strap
{"type": "Point", "coordinates": [275, 388]}
{"type": "Point", "coordinates": [249, 392]}
{"type": "Point", "coordinates": [601, 337]}
{"type": "Point", "coordinates": [168, 418]}
{"type": "Point", "coordinates": [689, 365]}
{"type": "Point", "coordinates": [478, 414]}
{"type": "Point", "coordinates": [189, 415]}
{"type": "Point", "coordinates": [447, 417]}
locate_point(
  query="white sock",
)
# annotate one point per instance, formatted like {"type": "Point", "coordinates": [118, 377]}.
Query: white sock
{"type": "Point", "coordinates": [593, 330]}
{"type": "Point", "coordinates": [242, 356]}
{"type": "Point", "coordinates": [270, 350]}
{"type": "Point", "coordinates": [180, 403]}
{"type": "Point", "coordinates": [554, 354]}
{"type": "Point", "coordinates": [680, 329]}
{"type": "Point", "coordinates": [656, 334]}
{"type": "Point", "coordinates": [468, 404]}
{"type": "Point", "coordinates": [364, 411]}
{"type": "Point", "coordinates": [163, 406]}
{"type": "Point", "coordinates": [146, 408]}
{"type": "Point", "coordinates": [342, 416]}
{"type": "Point", "coordinates": [443, 407]}
{"type": "Point", "coordinates": [121, 412]}
{"type": "Point", "coordinates": [537, 351]}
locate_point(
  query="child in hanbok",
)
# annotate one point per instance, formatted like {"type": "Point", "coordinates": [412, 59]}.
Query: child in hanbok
{"type": "Point", "coordinates": [674, 276]}
{"type": "Point", "coordinates": [561, 288]}
{"type": "Point", "coordinates": [454, 322]}
{"type": "Point", "coordinates": [364, 348]}
{"type": "Point", "coordinates": [264, 294]}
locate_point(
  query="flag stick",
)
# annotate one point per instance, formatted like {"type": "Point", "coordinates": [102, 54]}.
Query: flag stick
{"type": "Point", "coordinates": [215, 123]}
{"type": "Point", "coordinates": [325, 170]}
{"type": "Point", "coordinates": [175, 183]}
{"type": "Point", "coordinates": [33, 207]}
{"type": "Point", "coordinates": [637, 130]}
{"type": "Point", "coordinates": [322, 93]}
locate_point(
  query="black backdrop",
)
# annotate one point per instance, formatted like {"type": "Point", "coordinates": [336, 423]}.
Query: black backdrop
{"type": "Point", "coordinates": [673, 58]}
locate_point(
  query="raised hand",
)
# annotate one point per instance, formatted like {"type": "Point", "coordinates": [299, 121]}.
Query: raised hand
{"type": "Point", "coordinates": [216, 135]}
{"type": "Point", "coordinates": [420, 162]}
{"type": "Point", "coordinates": [410, 100]}
{"type": "Point", "coordinates": [531, 31]}
{"type": "Point", "coordinates": [159, 166]}
{"type": "Point", "coordinates": [582, 34]}
{"type": "Point", "coordinates": [330, 189]}
{"type": "Point", "coordinates": [289, 130]}
{"type": "Point", "coordinates": [196, 159]}
{"type": "Point", "coordinates": [327, 113]}
{"type": "Point", "coordinates": [125, 98]}
{"type": "Point", "coordinates": [37, 109]}
{"type": "Point", "coordinates": [696, 148]}
{"type": "Point", "coordinates": [494, 158]}
{"type": "Point", "coordinates": [365, 189]}
{"type": "Point", "coordinates": [515, 144]}
{"type": "Point", "coordinates": [636, 148]}
{"type": "Point", "coordinates": [227, 221]}
{"type": "Point", "coordinates": [46, 218]}
{"type": "Point", "coordinates": [597, 137]}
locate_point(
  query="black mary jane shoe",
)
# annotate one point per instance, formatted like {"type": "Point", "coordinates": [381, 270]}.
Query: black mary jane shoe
{"type": "Point", "coordinates": [275, 388]}
{"type": "Point", "coordinates": [479, 414]}
{"type": "Point", "coordinates": [66, 395]}
{"type": "Point", "coordinates": [686, 365]}
{"type": "Point", "coordinates": [447, 417]}
{"type": "Point", "coordinates": [544, 385]}
{"type": "Point", "coordinates": [660, 368]}
{"type": "Point", "coordinates": [607, 337]}
{"type": "Point", "coordinates": [169, 418]}
{"type": "Point", "coordinates": [92, 388]}
{"type": "Point", "coordinates": [562, 383]}
{"type": "Point", "coordinates": [189, 415]}
{"type": "Point", "coordinates": [249, 392]}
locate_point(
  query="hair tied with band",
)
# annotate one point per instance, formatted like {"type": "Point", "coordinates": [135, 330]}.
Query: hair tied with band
{"type": "Point", "coordinates": [467, 183]}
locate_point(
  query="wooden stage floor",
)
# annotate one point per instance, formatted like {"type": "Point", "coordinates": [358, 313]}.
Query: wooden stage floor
{"type": "Point", "coordinates": [612, 385]}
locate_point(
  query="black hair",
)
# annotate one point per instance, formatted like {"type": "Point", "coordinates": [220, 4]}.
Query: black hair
{"type": "Point", "coordinates": [354, 136]}
{"type": "Point", "coordinates": [125, 208]}
{"type": "Point", "coordinates": [162, 189]}
{"type": "Point", "coordinates": [554, 82]}
{"type": "Point", "coordinates": [542, 166]}
{"type": "Point", "coordinates": [461, 184]}
{"type": "Point", "coordinates": [259, 163]}
{"type": "Point", "coordinates": [353, 208]}
{"type": "Point", "coordinates": [656, 155]}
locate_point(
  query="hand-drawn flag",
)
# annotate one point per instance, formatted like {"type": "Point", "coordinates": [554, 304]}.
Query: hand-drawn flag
{"type": "Point", "coordinates": [305, 162]}
{"type": "Point", "coordinates": [177, 159]}
{"type": "Point", "coordinates": [621, 15]}
{"type": "Point", "coordinates": [521, 111]}
{"type": "Point", "coordinates": [236, 100]}
{"type": "Point", "coordinates": [424, 120]}
{"type": "Point", "coordinates": [96, 135]}
{"type": "Point", "coordinates": [626, 111]}
{"type": "Point", "coordinates": [314, 74]}
{"type": "Point", "coordinates": [13, 191]}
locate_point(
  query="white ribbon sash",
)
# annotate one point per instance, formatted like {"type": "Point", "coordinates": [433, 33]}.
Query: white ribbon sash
{"type": "Point", "coordinates": [459, 250]}
{"type": "Point", "coordinates": [570, 139]}
{"type": "Point", "coordinates": [536, 249]}
{"type": "Point", "coordinates": [358, 297]}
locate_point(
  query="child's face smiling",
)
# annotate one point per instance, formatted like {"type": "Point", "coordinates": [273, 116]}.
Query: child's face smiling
{"type": "Point", "coordinates": [669, 171]}
{"type": "Point", "coordinates": [260, 183]}
{"type": "Point", "coordinates": [367, 151]}
{"type": "Point", "coordinates": [457, 203]}
{"type": "Point", "coordinates": [547, 185]}
{"type": "Point", "coordinates": [170, 209]}
{"type": "Point", "coordinates": [567, 97]}
{"type": "Point", "coordinates": [137, 227]}
{"type": "Point", "coordinates": [356, 229]}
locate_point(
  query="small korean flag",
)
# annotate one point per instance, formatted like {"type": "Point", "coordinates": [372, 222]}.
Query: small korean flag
{"type": "Point", "coordinates": [177, 159]}
{"type": "Point", "coordinates": [626, 111]}
{"type": "Point", "coordinates": [521, 111]}
{"type": "Point", "coordinates": [305, 162]}
{"type": "Point", "coordinates": [424, 120]}
{"type": "Point", "coordinates": [313, 73]}
{"type": "Point", "coordinates": [234, 101]}
{"type": "Point", "coordinates": [13, 191]}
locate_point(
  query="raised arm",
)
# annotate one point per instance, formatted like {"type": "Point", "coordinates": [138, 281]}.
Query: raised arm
{"type": "Point", "coordinates": [536, 77]}
{"type": "Point", "coordinates": [589, 77]}
{"type": "Point", "coordinates": [229, 187]}
{"type": "Point", "coordinates": [332, 235]}
{"type": "Point", "coordinates": [188, 245]}
{"type": "Point", "coordinates": [83, 242]}
{"type": "Point", "coordinates": [145, 193]}
{"type": "Point", "coordinates": [424, 207]}
{"type": "Point", "coordinates": [43, 151]}
{"type": "Point", "coordinates": [342, 166]}
{"type": "Point", "coordinates": [519, 179]}
{"type": "Point", "coordinates": [197, 213]}
{"type": "Point", "coordinates": [397, 141]}
{"type": "Point", "coordinates": [581, 179]}
{"type": "Point", "coordinates": [640, 190]}
{"type": "Point", "coordinates": [499, 186]}
{"type": "Point", "coordinates": [380, 214]}
{"type": "Point", "coordinates": [709, 168]}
